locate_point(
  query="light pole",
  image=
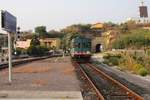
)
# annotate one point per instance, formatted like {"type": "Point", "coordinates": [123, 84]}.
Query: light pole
{"type": "Point", "coordinates": [9, 23]}
{"type": "Point", "coordinates": [10, 56]}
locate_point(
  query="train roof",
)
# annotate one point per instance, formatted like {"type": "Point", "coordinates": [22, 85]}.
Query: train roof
{"type": "Point", "coordinates": [81, 36]}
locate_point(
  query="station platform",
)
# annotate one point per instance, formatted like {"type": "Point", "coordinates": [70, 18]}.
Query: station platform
{"type": "Point", "coordinates": [48, 79]}
{"type": "Point", "coordinates": [40, 95]}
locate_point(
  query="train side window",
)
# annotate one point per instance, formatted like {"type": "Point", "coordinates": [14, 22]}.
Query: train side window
{"type": "Point", "coordinates": [84, 45]}
{"type": "Point", "coordinates": [75, 45]}
{"type": "Point", "coordinates": [79, 45]}
{"type": "Point", "coordinates": [89, 44]}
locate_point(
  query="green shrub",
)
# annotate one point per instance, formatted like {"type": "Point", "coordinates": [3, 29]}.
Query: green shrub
{"type": "Point", "coordinates": [134, 63]}
{"type": "Point", "coordinates": [106, 56]}
{"type": "Point", "coordinates": [37, 50]}
{"type": "Point", "coordinates": [114, 60]}
{"type": "Point", "coordinates": [136, 67]}
{"type": "Point", "coordinates": [18, 51]}
{"type": "Point", "coordinates": [106, 62]}
{"type": "Point", "coordinates": [137, 39]}
{"type": "Point", "coordinates": [96, 62]}
{"type": "Point", "coordinates": [148, 52]}
{"type": "Point", "coordinates": [143, 71]}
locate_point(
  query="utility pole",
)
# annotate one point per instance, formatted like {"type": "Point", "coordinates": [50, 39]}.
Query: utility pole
{"type": "Point", "coordinates": [10, 56]}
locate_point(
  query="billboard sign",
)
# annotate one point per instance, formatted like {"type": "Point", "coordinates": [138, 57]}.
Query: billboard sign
{"type": "Point", "coordinates": [143, 11]}
{"type": "Point", "coordinates": [8, 22]}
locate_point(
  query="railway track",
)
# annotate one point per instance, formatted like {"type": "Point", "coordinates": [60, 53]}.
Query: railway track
{"type": "Point", "coordinates": [21, 61]}
{"type": "Point", "coordinates": [106, 87]}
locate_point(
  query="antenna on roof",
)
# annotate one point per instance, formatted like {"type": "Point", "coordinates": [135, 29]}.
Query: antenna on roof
{"type": "Point", "coordinates": [142, 2]}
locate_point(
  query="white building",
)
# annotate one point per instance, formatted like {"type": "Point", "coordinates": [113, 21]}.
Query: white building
{"type": "Point", "coordinates": [140, 20]}
{"type": "Point", "coordinates": [23, 44]}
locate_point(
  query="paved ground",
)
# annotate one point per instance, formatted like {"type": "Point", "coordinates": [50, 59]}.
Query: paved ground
{"type": "Point", "coordinates": [42, 79]}
{"type": "Point", "coordinates": [41, 95]}
{"type": "Point", "coordinates": [142, 82]}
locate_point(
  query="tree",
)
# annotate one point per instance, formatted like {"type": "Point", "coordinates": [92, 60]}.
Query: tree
{"type": "Point", "coordinates": [124, 28]}
{"type": "Point", "coordinates": [109, 26]}
{"type": "Point", "coordinates": [128, 26]}
{"type": "Point", "coordinates": [41, 31]}
{"type": "Point", "coordinates": [35, 41]}
{"type": "Point", "coordinates": [55, 34]}
{"type": "Point", "coordinates": [73, 31]}
{"type": "Point", "coordinates": [19, 51]}
{"type": "Point", "coordinates": [78, 28]}
{"type": "Point", "coordinates": [35, 48]}
{"type": "Point", "coordinates": [27, 35]}
{"type": "Point", "coordinates": [67, 40]}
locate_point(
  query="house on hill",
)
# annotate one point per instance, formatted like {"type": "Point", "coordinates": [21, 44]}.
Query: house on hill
{"type": "Point", "coordinates": [47, 42]}
{"type": "Point", "coordinates": [97, 39]}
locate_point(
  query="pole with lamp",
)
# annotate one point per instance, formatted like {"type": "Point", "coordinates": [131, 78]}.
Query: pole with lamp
{"type": "Point", "coordinates": [16, 38]}
{"type": "Point", "coordinates": [8, 24]}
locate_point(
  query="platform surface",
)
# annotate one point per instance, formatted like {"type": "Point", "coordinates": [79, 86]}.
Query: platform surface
{"type": "Point", "coordinates": [53, 78]}
{"type": "Point", "coordinates": [41, 95]}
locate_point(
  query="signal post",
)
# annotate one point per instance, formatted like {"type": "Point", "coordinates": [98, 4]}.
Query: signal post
{"type": "Point", "coordinates": [8, 24]}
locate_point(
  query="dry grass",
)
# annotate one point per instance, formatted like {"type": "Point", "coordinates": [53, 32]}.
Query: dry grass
{"type": "Point", "coordinates": [30, 69]}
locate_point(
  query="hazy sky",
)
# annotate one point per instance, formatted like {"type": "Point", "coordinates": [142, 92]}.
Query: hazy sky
{"type": "Point", "coordinates": [57, 14]}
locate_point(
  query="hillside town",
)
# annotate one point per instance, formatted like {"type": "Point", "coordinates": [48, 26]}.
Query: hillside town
{"type": "Point", "coordinates": [95, 61]}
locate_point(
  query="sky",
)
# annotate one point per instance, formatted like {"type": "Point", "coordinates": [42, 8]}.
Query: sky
{"type": "Point", "coordinates": [57, 14]}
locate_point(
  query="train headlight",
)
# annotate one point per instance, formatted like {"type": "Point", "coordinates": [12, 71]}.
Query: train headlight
{"type": "Point", "coordinates": [75, 53]}
{"type": "Point", "coordinates": [88, 52]}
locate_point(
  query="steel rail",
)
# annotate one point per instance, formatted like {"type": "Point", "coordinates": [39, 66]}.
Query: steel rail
{"type": "Point", "coordinates": [129, 92]}
{"type": "Point", "coordinates": [21, 61]}
{"type": "Point", "coordinates": [100, 96]}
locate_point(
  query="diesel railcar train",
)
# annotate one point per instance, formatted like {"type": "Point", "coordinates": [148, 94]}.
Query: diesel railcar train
{"type": "Point", "coordinates": [81, 48]}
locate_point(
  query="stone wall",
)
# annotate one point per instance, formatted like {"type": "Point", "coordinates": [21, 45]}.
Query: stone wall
{"type": "Point", "coordinates": [95, 42]}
